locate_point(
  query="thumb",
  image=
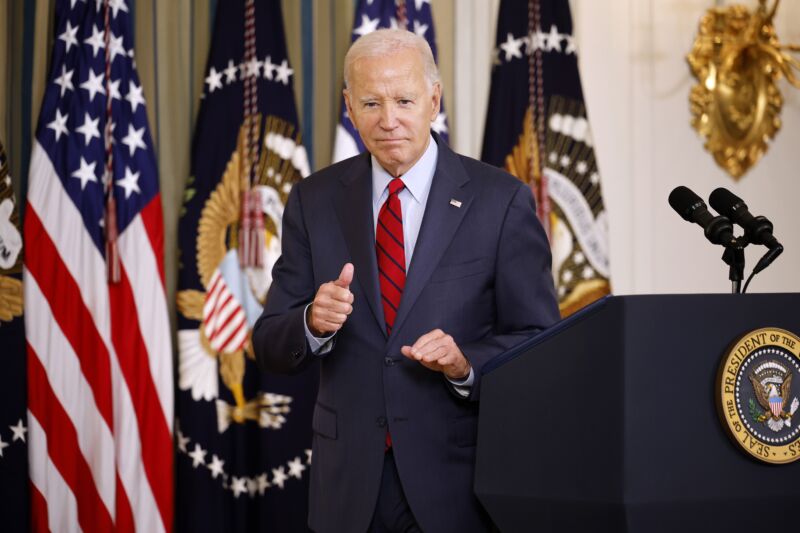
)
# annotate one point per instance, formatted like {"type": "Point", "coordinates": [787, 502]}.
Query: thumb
{"type": "Point", "coordinates": [345, 276]}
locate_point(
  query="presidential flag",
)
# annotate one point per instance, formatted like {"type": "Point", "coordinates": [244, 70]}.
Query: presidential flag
{"type": "Point", "coordinates": [13, 417]}
{"type": "Point", "coordinates": [536, 128]}
{"type": "Point", "coordinates": [100, 385]}
{"type": "Point", "coordinates": [244, 437]}
{"type": "Point", "coordinates": [370, 15]}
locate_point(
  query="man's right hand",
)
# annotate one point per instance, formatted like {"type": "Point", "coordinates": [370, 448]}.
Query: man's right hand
{"type": "Point", "coordinates": [332, 305]}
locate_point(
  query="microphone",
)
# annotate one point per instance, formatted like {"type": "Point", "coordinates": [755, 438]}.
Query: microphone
{"type": "Point", "coordinates": [757, 230]}
{"type": "Point", "coordinates": [692, 208]}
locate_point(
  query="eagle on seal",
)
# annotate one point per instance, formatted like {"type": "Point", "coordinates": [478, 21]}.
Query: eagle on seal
{"type": "Point", "coordinates": [773, 397]}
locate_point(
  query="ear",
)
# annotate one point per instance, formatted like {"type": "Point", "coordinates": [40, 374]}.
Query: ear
{"type": "Point", "coordinates": [349, 107]}
{"type": "Point", "coordinates": [436, 100]}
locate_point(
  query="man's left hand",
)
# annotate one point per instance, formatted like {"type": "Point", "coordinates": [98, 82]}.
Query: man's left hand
{"type": "Point", "coordinates": [438, 351]}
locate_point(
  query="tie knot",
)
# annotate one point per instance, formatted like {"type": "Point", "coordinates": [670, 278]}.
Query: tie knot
{"type": "Point", "coordinates": [395, 186]}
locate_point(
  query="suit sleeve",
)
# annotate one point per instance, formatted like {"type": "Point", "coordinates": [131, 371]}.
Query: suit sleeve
{"type": "Point", "coordinates": [279, 337]}
{"type": "Point", "coordinates": [525, 300]}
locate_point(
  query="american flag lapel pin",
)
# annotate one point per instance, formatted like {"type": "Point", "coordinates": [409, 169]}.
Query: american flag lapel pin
{"type": "Point", "coordinates": [454, 202]}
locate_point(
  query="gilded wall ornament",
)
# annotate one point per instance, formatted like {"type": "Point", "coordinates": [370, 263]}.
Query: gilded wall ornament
{"type": "Point", "coordinates": [736, 104]}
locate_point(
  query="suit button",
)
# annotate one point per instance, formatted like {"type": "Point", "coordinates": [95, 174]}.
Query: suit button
{"type": "Point", "coordinates": [381, 421]}
{"type": "Point", "coordinates": [388, 361]}
{"type": "Point", "coordinates": [297, 353]}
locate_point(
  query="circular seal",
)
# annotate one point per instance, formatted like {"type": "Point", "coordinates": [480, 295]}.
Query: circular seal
{"type": "Point", "coordinates": [755, 396]}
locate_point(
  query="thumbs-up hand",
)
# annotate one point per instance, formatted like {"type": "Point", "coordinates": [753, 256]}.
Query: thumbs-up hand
{"type": "Point", "coordinates": [332, 304]}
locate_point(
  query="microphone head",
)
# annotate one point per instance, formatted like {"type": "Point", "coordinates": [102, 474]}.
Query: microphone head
{"type": "Point", "coordinates": [685, 202]}
{"type": "Point", "coordinates": [725, 202]}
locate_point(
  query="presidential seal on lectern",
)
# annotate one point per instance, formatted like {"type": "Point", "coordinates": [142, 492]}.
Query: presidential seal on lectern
{"type": "Point", "coordinates": [755, 397]}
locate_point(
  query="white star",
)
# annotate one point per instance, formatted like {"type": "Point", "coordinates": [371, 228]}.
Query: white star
{"type": "Point", "coordinates": [116, 47]}
{"type": "Point", "coordinates": [89, 128]}
{"type": "Point", "coordinates": [581, 167]}
{"type": "Point", "coordinates": [252, 487]}
{"type": "Point", "coordinates": [269, 68]}
{"type": "Point", "coordinates": [94, 84]}
{"type": "Point", "coordinates": [19, 431]}
{"type": "Point", "coordinates": [182, 441]}
{"type": "Point", "coordinates": [578, 257]}
{"type": "Point", "coordinates": [216, 466]}
{"type": "Point", "coordinates": [588, 272]}
{"type": "Point", "coordinates": [553, 39]}
{"type": "Point", "coordinates": [296, 468]}
{"type": "Point", "coordinates": [511, 47]}
{"type": "Point", "coordinates": [113, 86]}
{"type": "Point", "coordinates": [564, 160]}
{"type": "Point", "coordinates": [3, 445]}
{"type": "Point", "coordinates": [419, 3]}
{"type": "Point", "coordinates": [230, 72]}
{"type": "Point", "coordinates": [553, 157]}
{"type": "Point", "coordinates": [59, 124]}
{"type": "Point", "coordinates": [539, 39]}
{"type": "Point", "coordinates": [134, 95]}
{"type": "Point", "coordinates": [96, 41]}
{"type": "Point", "coordinates": [131, 184]}
{"type": "Point", "coordinates": [253, 68]}
{"type": "Point", "coordinates": [368, 25]}
{"type": "Point", "coordinates": [594, 178]}
{"type": "Point", "coordinates": [283, 72]}
{"type": "Point", "coordinates": [69, 36]}
{"type": "Point", "coordinates": [198, 455]}
{"type": "Point", "coordinates": [214, 80]}
{"type": "Point", "coordinates": [571, 46]}
{"type": "Point", "coordinates": [86, 174]}
{"type": "Point", "coordinates": [439, 124]}
{"type": "Point", "coordinates": [279, 476]}
{"type": "Point", "coordinates": [566, 277]}
{"type": "Point", "coordinates": [263, 484]}
{"type": "Point", "coordinates": [117, 5]}
{"type": "Point", "coordinates": [420, 29]}
{"type": "Point", "coordinates": [238, 486]}
{"type": "Point", "coordinates": [65, 80]}
{"type": "Point", "coordinates": [134, 139]}
{"type": "Point", "coordinates": [562, 291]}
{"type": "Point", "coordinates": [308, 457]}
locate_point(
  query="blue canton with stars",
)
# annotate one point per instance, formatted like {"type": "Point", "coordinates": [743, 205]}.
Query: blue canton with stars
{"type": "Point", "coordinates": [73, 115]}
{"type": "Point", "coordinates": [371, 15]}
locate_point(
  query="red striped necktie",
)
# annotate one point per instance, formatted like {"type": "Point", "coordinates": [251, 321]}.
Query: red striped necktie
{"type": "Point", "coordinates": [390, 247]}
{"type": "Point", "coordinates": [391, 252]}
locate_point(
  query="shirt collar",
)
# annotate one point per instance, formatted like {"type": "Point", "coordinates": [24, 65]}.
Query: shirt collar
{"type": "Point", "coordinates": [417, 179]}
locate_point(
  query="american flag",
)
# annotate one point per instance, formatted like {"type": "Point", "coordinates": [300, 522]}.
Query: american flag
{"type": "Point", "coordinates": [100, 400]}
{"type": "Point", "coordinates": [370, 15]}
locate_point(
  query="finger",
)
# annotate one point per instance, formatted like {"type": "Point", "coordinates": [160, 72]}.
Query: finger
{"type": "Point", "coordinates": [335, 306]}
{"type": "Point", "coordinates": [329, 292]}
{"type": "Point", "coordinates": [345, 276]}
{"type": "Point", "coordinates": [425, 339]}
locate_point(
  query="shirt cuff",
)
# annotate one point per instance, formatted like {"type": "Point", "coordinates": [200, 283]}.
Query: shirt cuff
{"type": "Point", "coordinates": [463, 386]}
{"type": "Point", "coordinates": [318, 345]}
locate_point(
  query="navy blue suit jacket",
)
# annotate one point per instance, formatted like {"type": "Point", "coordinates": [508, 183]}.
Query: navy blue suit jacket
{"type": "Point", "coordinates": [480, 272]}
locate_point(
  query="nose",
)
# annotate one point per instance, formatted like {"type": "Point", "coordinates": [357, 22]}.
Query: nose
{"type": "Point", "coordinates": [388, 117]}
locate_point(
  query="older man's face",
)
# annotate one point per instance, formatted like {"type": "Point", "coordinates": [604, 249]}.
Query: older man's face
{"type": "Point", "coordinates": [392, 106]}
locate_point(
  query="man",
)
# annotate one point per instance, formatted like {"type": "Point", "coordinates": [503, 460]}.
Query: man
{"type": "Point", "coordinates": [404, 270]}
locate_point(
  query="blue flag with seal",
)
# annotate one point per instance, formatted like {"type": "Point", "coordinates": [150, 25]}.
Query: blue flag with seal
{"type": "Point", "coordinates": [13, 416]}
{"type": "Point", "coordinates": [243, 437]}
{"type": "Point", "coordinates": [537, 129]}
{"type": "Point", "coordinates": [370, 15]}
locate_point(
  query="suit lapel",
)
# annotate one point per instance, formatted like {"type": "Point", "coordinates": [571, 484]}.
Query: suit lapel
{"type": "Point", "coordinates": [439, 225]}
{"type": "Point", "coordinates": [354, 208]}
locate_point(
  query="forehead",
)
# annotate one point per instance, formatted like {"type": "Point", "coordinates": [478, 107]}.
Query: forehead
{"type": "Point", "coordinates": [401, 70]}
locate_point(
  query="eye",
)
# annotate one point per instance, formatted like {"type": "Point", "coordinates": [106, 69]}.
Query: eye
{"type": "Point", "coordinates": [405, 101]}
{"type": "Point", "coordinates": [370, 105]}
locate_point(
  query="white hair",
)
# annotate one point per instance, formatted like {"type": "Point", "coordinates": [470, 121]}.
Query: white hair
{"type": "Point", "coordinates": [383, 43]}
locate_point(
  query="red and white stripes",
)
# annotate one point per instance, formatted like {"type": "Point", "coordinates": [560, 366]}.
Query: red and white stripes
{"type": "Point", "coordinates": [99, 369]}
